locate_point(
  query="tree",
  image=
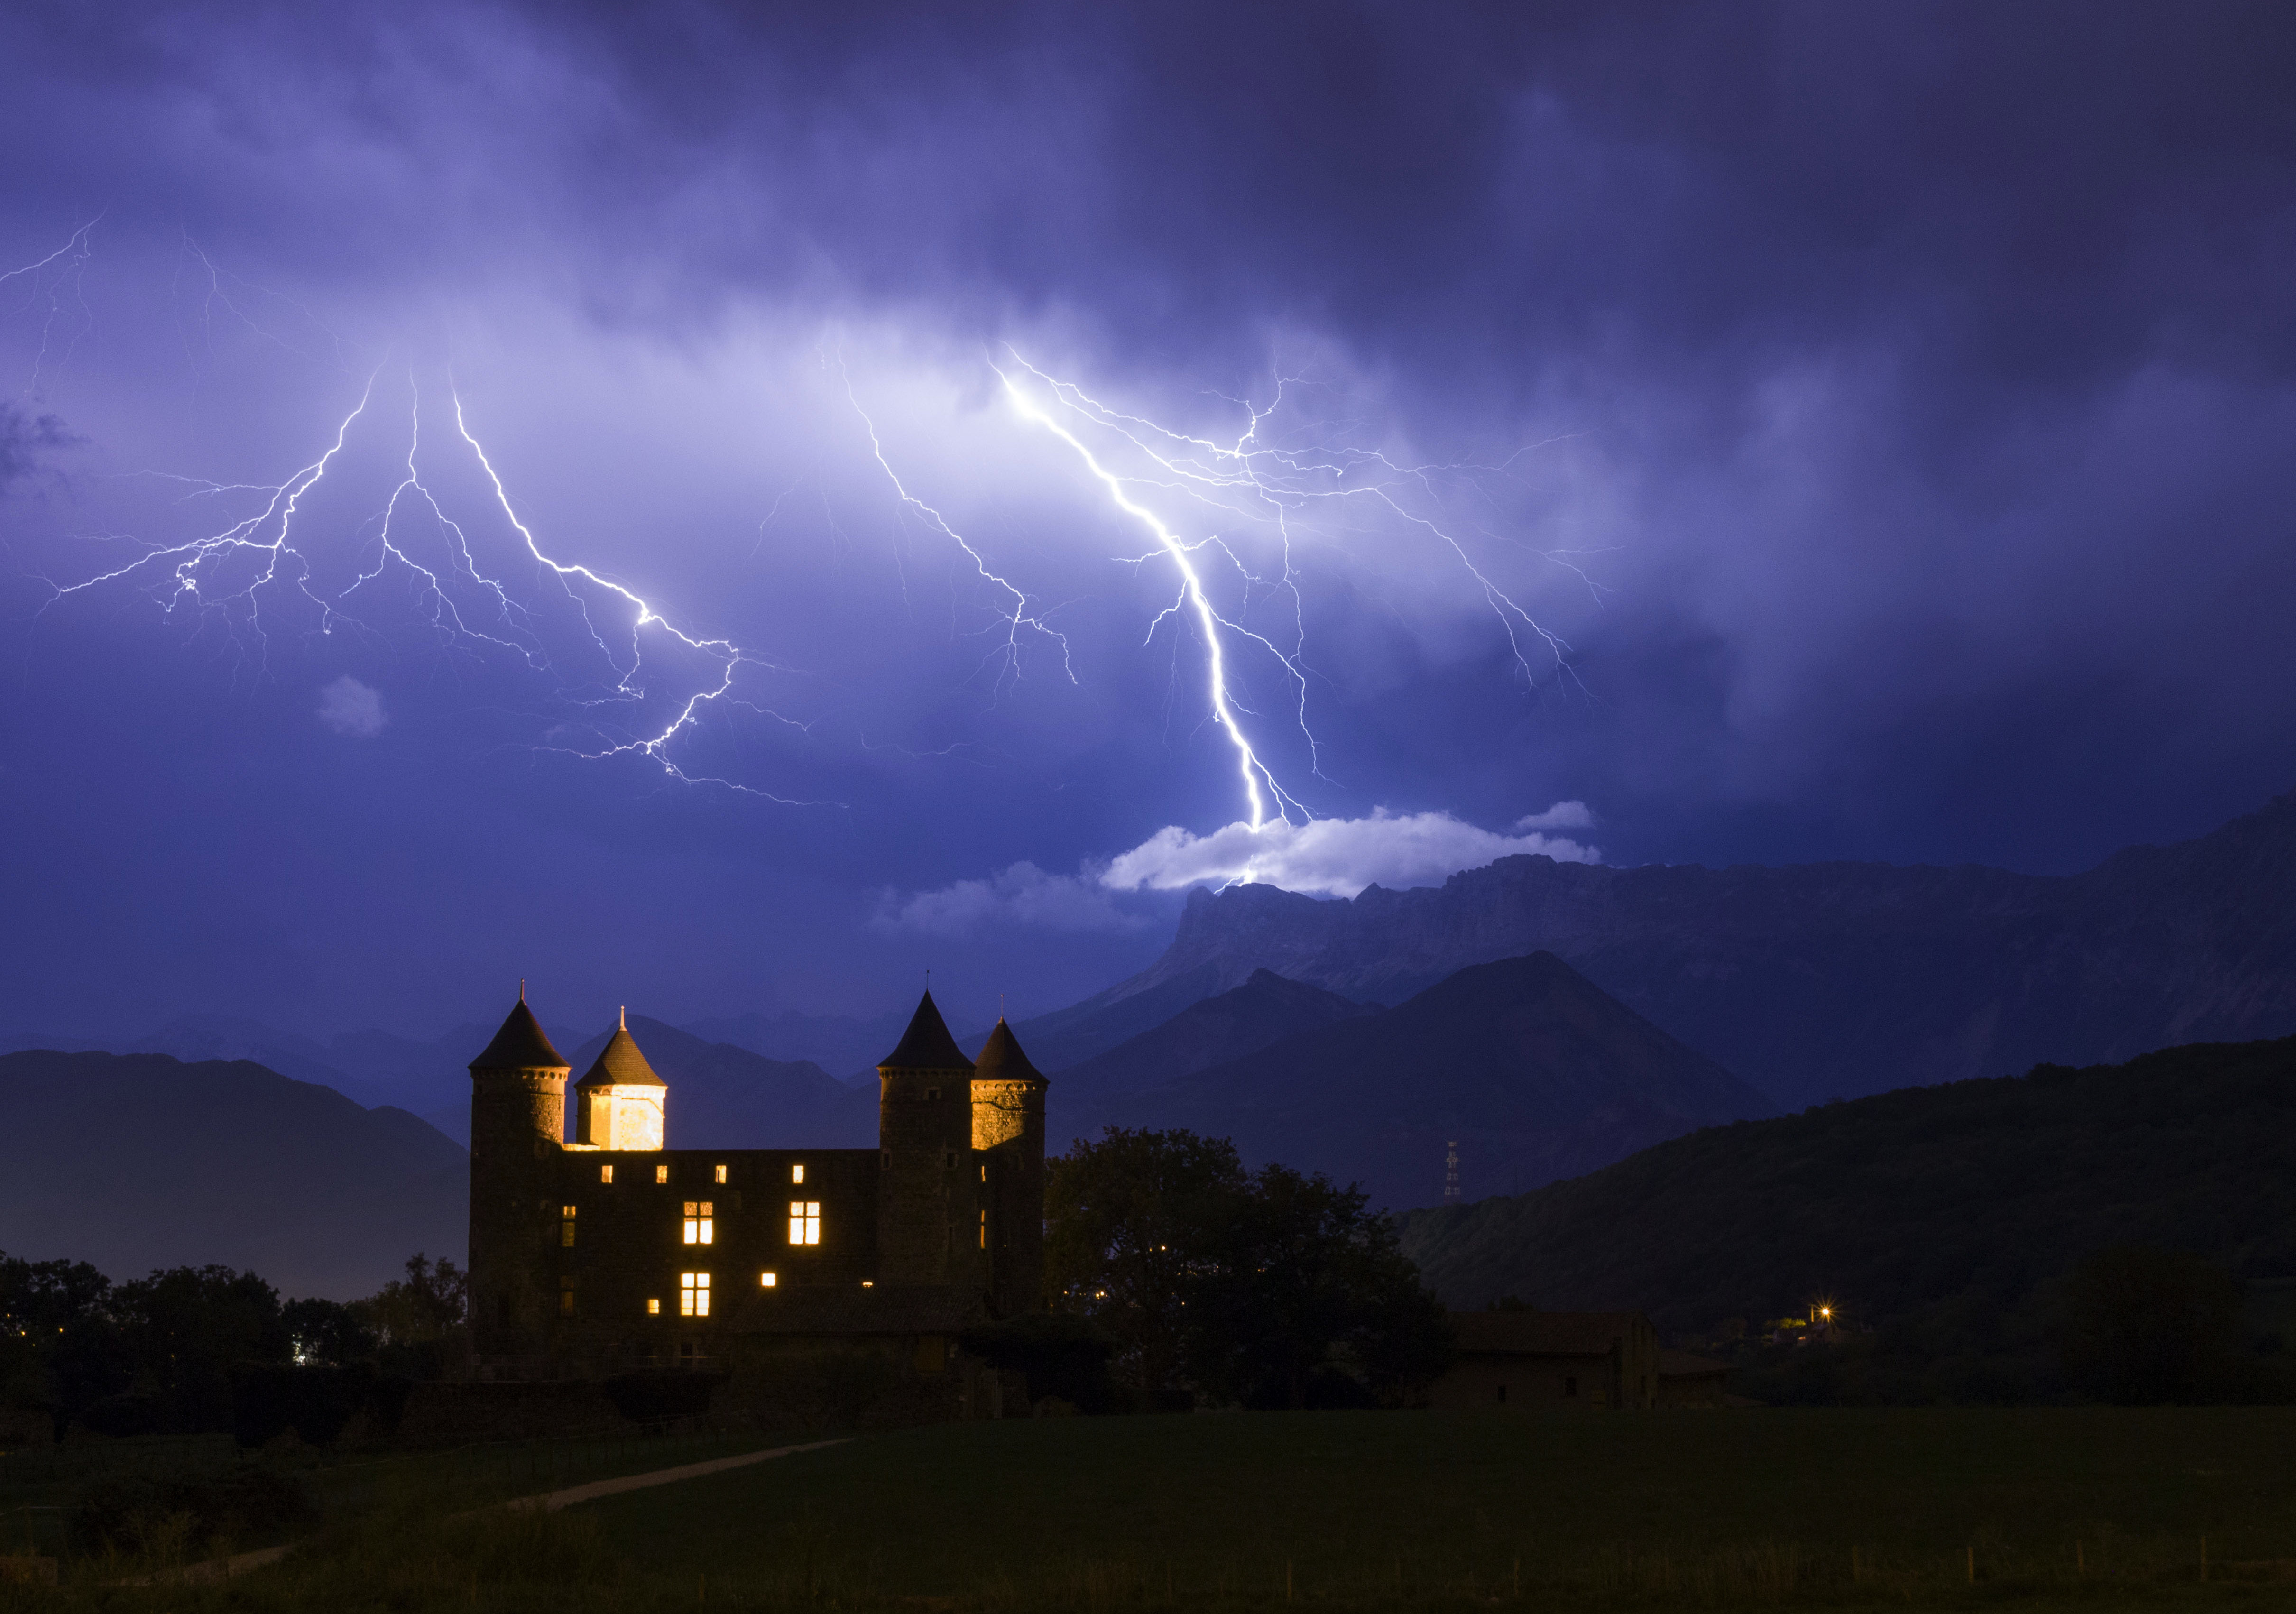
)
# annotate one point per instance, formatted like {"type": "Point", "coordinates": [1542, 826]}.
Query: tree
{"type": "Point", "coordinates": [327, 1332]}
{"type": "Point", "coordinates": [2142, 1325]}
{"type": "Point", "coordinates": [420, 1307]}
{"type": "Point", "coordinates": [1274, 1290]}
{"type": "Point", "coordinates": [185, 1327]}
{"type": "Point", "coordinates": [1132, 1218]}
{"type": "Point", "coordinates": [1307, 1302]}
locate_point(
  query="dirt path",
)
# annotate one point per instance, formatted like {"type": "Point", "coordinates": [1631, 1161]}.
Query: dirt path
{"type": "Point", "coordinates": [548, 1502]}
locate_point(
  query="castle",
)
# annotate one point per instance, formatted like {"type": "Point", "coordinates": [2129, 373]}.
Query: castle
{"type": "Point", "coordinates": [612, 1253]}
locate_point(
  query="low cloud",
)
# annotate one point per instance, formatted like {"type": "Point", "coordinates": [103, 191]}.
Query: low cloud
{"type": "Point", "coordinates": [1340, 856]}
{"type": "Point", "coordinates": [1022, 894]}
{"type": "Point", "coordinates": [353, 708]}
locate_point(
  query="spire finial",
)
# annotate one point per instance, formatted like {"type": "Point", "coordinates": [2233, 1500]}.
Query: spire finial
{"type": "Point", "coordinates": [521, 988]}
{"type": "Point", "coordinates": [624, 1022]}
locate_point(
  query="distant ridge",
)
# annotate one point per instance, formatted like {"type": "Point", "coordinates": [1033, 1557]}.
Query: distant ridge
{"type": "Point", "coordinates": [1810, 981]}
{"type": "Point", "coordinates": [134, 1161]}
{"type": "Point", "coordinates": [1968, 1194]}
{"type": "Point", "coordinates": [1258, 1014]}
{"type": "Point", "coordinates": [1532, 1068]}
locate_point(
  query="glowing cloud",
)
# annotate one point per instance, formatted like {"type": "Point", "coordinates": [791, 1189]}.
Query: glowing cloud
{"type": "Point", "coordinates": [353, 708]}
{"type": "Point", "coordinates": [1022, 894]}
{"type": "Point", "coordinates": [1340, 856]}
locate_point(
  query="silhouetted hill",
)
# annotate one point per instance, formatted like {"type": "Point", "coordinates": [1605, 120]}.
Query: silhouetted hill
{"type": "Point", "coordinates": [726, 1096]}
{"type": "Point", "coordinates": [1530, 1066]}
{"type": "Point", "coordinates": [1965, 1195]}
{"type": "Point", "coordinates": [1263, 1012]}
{"type": "Point", "coordinates": [132, 1161]}
{"type": "Point", "coordinates": [1815, 980]}
{"type": "Point", "coordinates": [844, 1045]}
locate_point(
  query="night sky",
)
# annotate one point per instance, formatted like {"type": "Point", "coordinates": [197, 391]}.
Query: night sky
{"type": "Point", "coordinates": [1728, 433]}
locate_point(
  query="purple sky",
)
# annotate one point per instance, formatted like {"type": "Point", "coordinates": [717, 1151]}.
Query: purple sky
{"type": "Point", "coordinates": [1888, 408]}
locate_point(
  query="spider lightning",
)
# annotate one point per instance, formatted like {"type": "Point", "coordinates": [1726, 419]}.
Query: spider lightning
{"type": "Point", "coordinates": [236, 573]}
{"type": "Point", "coordinates": [1248, 480]}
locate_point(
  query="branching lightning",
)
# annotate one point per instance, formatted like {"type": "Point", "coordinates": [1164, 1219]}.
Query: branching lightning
{"type": "Point", "coordinates": [1256, 482]}
{"type": "Point", "coordinates": [257, 568]}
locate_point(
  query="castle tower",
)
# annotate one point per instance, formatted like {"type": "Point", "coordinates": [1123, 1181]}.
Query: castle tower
{"type": "Point", "coordinates": [1008, 1130]}
{"type": "Point", "coordinates": [619, 1104]}
{"type": "Point", "coordinates": [927, 1183]}
{"type": "Point", "coordinates": [517, 1127]}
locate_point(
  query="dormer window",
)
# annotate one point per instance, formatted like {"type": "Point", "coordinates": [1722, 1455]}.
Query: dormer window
{"type": "Point", "coordinates": [699, 1227]}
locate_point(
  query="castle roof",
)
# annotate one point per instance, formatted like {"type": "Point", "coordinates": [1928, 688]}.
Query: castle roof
{"type": "Point", "coordinates": [926, 1044]}
{"type": "Point", "coordinates": [519, 1044]}
{"type": "Point", "coordinates": [1001, 1058]}
{"type": "Point", "coordinates": [619, 1064]}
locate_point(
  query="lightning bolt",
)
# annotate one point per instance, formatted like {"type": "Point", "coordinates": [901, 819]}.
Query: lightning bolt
{"type": "Point", "coordinates": [1018, 616]}
{"type": "Point", "coordinates": [258, 564]}
{"type": "Point", "coordinates": [58, 279]}
{"type": "Point", "coordinates": [1249, 479]}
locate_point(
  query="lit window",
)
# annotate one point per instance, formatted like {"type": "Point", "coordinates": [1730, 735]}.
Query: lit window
{"type": "Point", "coordinates": [693, 1294]}
{"type": "Point", "coordinates": [653, 1308]}
{"type": "Point", "coordinates": [566, 1227]}
{"type": "Point", "coordinates": [721, 1173]}
{"type": "Point", "coordinates": [661, 1174]}
{"type": "Point", "coordinates": [805, 1221]}
{"type": "Point", "coordinates": [765, 1280]}
{"type": "Point", "coordinates": [699, 1224]}
{"type": "Point", "coordinates": [605, 1173]}
{"type": "Point", "coordinates": [797, 1174]}
{"type": "Point", "coordinates": [984, 1230]}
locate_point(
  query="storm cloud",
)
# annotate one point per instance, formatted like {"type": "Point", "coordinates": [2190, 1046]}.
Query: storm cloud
{"type": "Point", "coordinates": [1879, 415]}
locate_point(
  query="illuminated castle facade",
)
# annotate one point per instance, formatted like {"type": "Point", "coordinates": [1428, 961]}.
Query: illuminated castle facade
{"type": "Point", "coordinates": [610, 1253]}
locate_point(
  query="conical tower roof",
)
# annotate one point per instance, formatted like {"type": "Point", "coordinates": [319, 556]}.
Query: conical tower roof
{"type": "Point", "coordinates": [619, 1064]}
{"type": "Point", "coordinates": [926, 1044]}
{"type": "Point", "coordinates": [1001, 1059]}
{"type": "Point", "coordinates": [519, 1044]}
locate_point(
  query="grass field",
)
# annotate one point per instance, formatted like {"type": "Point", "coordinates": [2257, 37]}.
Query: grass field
{"type": "Point", "coordinates": [2087, 1508]}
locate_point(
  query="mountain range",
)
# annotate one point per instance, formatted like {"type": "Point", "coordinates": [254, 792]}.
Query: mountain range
{"type": "Point", "coordinates": [1810, 981]}
{"type": "Point", "coordinates": [136, 1161]}
{"type": "Point", "coordinates": [1524, 1068]}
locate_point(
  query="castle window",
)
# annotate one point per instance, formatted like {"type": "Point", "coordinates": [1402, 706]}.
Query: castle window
{"type": "Point", "coordinates": [700, 1224]}
{"type": "Point", "coordinates": [653, 1308]}
{"type": "Point", "coordinates": [1570, 1387]}
{"type": "Point", "coordinates": [565, 1296]}
{"type": "Point", "coordinates": [797, 1174]}
{"type": "Point", "coordinates": [605, 1173]}
{"type": "Point", "coordinates": [661, 1174]}
{"type": "Point", "coordinates": [948, 1160]}
{"type": "Point", "coordinates": [933, 1095]}
{"type": "Point", "coordinates": [721, 1173]}
{"type": "Point", "coordinates": [566, 1227]}
{"type": "Point", "coordinates": [1502, 1395]}
{"type": "Point", "coordinates": [693, 1294]}
{"type": "Point", "coordinates": [805, 1221]}
{"type": "Point", "coordinates": [984, 1230]}
{"type": "Point", "coordinates": [765, 1280]}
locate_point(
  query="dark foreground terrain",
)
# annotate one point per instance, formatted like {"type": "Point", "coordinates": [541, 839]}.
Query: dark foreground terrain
{"type": "Point", "coordinates": [2088, 1508]}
